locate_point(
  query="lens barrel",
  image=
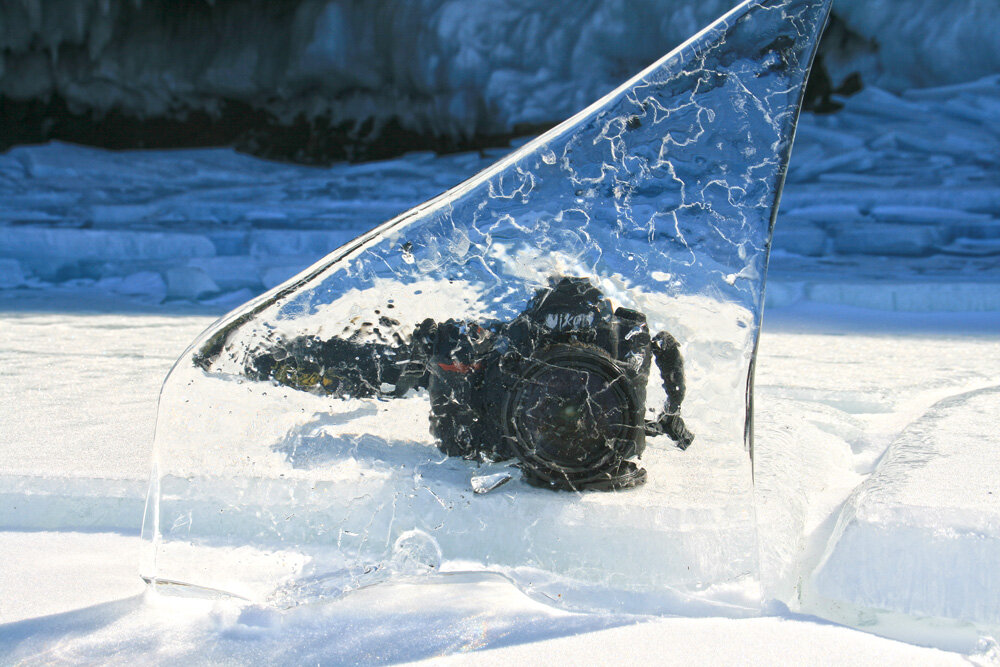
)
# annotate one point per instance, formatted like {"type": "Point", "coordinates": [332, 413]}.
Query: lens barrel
{"type": "Point", "coordinates": [573, 417]}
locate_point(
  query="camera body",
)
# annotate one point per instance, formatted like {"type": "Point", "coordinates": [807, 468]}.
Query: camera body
{"type": "Point", "coordinates": [562, 388]}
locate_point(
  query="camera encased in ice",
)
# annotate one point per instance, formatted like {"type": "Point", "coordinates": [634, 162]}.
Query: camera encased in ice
{"type": "Point", "coordinates": [561, 387]}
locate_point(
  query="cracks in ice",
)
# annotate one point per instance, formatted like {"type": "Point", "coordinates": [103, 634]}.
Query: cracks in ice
{"type": "Point", "coordinates": [662, 197]}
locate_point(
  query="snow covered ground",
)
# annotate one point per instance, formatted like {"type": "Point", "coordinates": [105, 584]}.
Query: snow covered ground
{"type": "Point", "coordinates": [878, 385]}
{"type": "Point", "coordinates": [836, 388]}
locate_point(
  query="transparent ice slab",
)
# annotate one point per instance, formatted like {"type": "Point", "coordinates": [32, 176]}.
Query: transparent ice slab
{"type": "Point", "coordinates": [310, 474]}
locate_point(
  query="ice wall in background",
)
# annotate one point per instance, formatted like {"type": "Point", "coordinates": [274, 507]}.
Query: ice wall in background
{"type": "Point", "coordinates": [903, 186]}
{"type": "Point", "coordinates": [429, 68]}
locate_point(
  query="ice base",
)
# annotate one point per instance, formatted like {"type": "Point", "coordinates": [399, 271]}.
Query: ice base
{"type": "Point", "coordinates": [352, 481]}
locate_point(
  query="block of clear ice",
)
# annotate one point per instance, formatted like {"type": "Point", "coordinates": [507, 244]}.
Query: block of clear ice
{"type": "Point", "coordinates": [544, 373]}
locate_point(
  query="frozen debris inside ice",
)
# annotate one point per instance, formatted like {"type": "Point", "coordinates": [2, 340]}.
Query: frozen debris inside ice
{"type": "Point", "coordinates": [486, 483]}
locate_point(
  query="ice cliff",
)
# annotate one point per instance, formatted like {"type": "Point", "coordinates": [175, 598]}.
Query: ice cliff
{"type": "Point", "coordinates": [303, 79]}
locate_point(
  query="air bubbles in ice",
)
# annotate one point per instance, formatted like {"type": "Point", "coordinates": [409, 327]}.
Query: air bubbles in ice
{"type": "Point", "coordinates": [408, 253]}
{"type": "Point", "coordinates": [415, 552]}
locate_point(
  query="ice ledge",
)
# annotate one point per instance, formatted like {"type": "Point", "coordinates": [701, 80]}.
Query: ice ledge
{"type": "Point", "coordinates": [914, 296]}
{"type": "Point", "coordinates": [921, 536]}
{"type": "Point", "coordinates": [71, 503]}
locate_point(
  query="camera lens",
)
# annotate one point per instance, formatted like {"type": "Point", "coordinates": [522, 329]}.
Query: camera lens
{"type": "Point", "coordinates": [571, 411]}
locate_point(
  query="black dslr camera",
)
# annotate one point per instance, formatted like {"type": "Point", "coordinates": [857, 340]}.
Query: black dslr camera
{"type": "Point", "coordinates": [561, 387]}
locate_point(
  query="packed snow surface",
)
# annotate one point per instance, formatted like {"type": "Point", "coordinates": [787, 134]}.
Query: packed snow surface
{"type": "Point", "coordinates": [461, 622]}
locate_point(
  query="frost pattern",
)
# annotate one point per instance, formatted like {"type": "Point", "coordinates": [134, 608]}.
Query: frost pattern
{"type": "Point", "coordinates": [662, 195]}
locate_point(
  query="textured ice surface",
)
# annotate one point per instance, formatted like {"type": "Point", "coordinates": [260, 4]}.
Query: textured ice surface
{"type": "Point", "coordinates": [929, 517]}
{"type": "Point", "coordinates": [662, 195]}
{"type": "Point", "coordinates": [40, 351]}
{"type": "Point", "coordinates": [861, 182]}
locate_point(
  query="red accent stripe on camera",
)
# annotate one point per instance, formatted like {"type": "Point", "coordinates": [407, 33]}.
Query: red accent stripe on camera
{"type": "Point", "coordinates": [458, 367]}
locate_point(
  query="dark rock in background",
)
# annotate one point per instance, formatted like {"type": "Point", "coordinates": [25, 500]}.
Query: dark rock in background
{"type": "Point", "coordinates": [319, 80]}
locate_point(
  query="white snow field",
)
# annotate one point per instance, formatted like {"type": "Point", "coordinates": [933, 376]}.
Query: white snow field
{"type": "Point", "coordinates": [877, 390]}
